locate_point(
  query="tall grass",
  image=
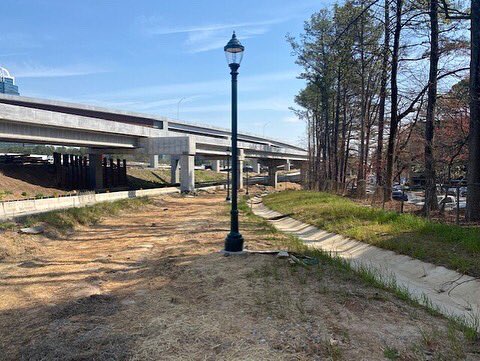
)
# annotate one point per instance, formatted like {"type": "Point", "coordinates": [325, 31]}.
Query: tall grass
{"type": "Point", "coordinates": [449, 245]}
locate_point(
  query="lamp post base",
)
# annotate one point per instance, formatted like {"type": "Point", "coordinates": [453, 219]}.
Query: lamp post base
{"type": "Point", "coordinates": [234, 242]}
{"type": "Point", "coordinates": [227, 253]}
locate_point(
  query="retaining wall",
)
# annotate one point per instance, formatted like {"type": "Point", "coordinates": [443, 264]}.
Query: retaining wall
{"type": "Point", "coordinates": [32, 206]}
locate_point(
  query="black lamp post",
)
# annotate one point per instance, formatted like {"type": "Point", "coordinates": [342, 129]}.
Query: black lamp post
{"type": "Point", "coordinates": [234, 53]}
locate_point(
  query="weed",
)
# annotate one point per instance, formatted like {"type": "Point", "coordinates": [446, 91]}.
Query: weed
{"type": "Point", "coordinates": [5, 226]}
{"type": "Point", "coordinates": [391, 353]}
{"type": "Point", "coordinates": [4, 193]}
{"type": "Point", "coordinates": [333, 350]}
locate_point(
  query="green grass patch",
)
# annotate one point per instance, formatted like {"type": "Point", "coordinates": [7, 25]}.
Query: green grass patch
{"type": "Point", "coordinates": [152, 178]}
{"type": "Point", "coordinates": [64, 220]}
{"type": "Point", "coordinates": [367, 275]}
{"type": "Point", "coordinates": [4, 193]}
{"type": "Point", "coordinates": [451, 246]}
{"type": "Point", "coordinates": [7, 226]}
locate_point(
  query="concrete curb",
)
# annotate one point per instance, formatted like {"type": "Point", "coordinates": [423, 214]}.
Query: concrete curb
{"type": "Point", "coordinates": [9, 210]}
{"type": "Point", "coordinates": [453, 293]}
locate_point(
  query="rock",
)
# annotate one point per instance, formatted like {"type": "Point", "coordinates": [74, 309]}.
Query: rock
{"type": "Point", "coordinates": [32, 230]}
{"type": "Point", "coordinates": [282, 254]}
{"type": "Point", "coordinates": [334, 342]}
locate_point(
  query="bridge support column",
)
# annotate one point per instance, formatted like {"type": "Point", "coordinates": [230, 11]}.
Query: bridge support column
{"type": "Point", "coordinates": [174, 170]}
{"type": "Point", "coordinates": [241, 162]}
{"type": "Point", "coordinates": [287, 165]}
{"type": "Point", "coordinates": [272, 175]}
{"type": "Point", "coordinates": [216, 165]}
{"type": "Point", "coordinates": [187, 173]}
{"type": "Point", "coordinates": [154, 161]}
{"type": "Point", "coordinates": [95, 171]}
{"type": "Point", "coordinates": [256, 165]}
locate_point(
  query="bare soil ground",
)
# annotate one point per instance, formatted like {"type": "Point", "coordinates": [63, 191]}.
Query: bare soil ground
{"type": "Point", "coordinates": [27, 181]}
{"type": "Point", "coordinates": [151, 285]}
{"type": "Point", "coordinates": [38, 180]}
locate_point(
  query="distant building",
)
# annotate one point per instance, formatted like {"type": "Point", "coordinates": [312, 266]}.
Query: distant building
{"type": "Point", "coordinates": [7, 83]}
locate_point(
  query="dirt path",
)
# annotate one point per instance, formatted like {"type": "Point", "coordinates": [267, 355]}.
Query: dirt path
{"type": "Point", "coordinates": [151, 285]}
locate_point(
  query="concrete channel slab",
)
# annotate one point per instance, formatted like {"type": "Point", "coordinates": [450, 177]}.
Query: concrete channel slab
{"type": "Point", "coordinates": [452, 293]}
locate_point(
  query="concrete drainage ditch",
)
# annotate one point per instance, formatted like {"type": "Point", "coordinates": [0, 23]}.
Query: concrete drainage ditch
{"type": "Point", "coordinates": [452, 293]}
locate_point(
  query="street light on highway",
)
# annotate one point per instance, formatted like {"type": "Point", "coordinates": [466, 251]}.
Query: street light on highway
{"type": "Point", "coordinates": [234, 54]}
{"type": "Point", "coordinates": [264, 125]}
{"type": "Point", "coordinates": [178, 107]}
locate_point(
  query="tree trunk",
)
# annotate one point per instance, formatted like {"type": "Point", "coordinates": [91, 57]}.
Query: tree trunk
{"type": "Point", "coordinates": [336, 128]}
{"type": "Point", "coordinates": [394, 101]}
{"type": "Point", "coordinates": [383, 96]}
{"type": "Point", "coordinates": [344, 135]}
{"type": "Point", "coordinates": [430, 187]}
{"type": "Point", "coordinates": [361, 186]}
{"type": "Point", "coordinates": [473, 194]}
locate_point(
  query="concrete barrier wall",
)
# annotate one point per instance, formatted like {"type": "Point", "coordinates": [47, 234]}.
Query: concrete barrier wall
{"type": "Point", "coordinates": [32, 206]}
{"type": "Point", "coordinates": [14, 209]}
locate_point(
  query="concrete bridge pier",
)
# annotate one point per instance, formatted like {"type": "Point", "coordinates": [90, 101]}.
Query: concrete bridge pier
{"type": "Point", "coordinates": [241, 162]}
{"type": "Point", "coordinates": [154, 161]}
{"type": "Point", "coordinates": [174, 169]}
{"type": "Point", "coordinates": [256, 165]}
{"type": "Point", "coordinates": [187, 173]}
{"type": "Point", "coordinates": [273, 172]}
{"type": "Point", "coordinates": [273, 176]}
{"type": "Point", "coordinates": [216, 165]}
{"type": "Point", "coordinates": [288, 165]}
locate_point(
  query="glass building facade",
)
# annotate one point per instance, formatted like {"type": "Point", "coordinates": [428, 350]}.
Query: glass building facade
{"type": "Point", "coordinates": [7, 83]}
{"type": "Point", "coordinates": [8, 87]}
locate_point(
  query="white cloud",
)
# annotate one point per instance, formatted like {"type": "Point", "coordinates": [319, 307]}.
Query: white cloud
{"type": "Point", "coordinates": [26, 70]}
{"type": "Point", "coordinates": [152, 29]}
{"type": "Point", "coordinates": [202, 88]}
{"type": "Point", "coordinates": [202, 38]}
{"type": "Point", "coordinates": [291, 119]}
{"type": "Point", "coordinates": [265, 104]}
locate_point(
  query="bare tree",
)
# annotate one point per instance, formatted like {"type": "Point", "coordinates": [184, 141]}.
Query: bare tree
{"type": "Point", "coordinates": [394, 118]}
{"type": "Point", "coordinates": [383, 94]}
{"type": "Point", "coordinates": [473, 194]}
{"type": "Point", "coordinates": [430, 183]}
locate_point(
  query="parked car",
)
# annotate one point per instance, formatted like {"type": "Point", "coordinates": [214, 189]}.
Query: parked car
{"type": "Point", "coordinates": [450, 202]}
{"type": "Point", "coordinates": [248, 168]}
{"type": "Point", "coordinates": [397, 187]}
{"type": "Point", "coordinates": [399, 196]}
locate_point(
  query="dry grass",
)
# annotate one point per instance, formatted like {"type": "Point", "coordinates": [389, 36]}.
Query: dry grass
{"type": "Point", "coordinates": [150, 285]}
{"type": "Point", "coordinates": [152, 178]}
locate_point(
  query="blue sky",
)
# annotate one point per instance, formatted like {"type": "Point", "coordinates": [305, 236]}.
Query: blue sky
{"type": "Point", "coordinates": [146, 55]}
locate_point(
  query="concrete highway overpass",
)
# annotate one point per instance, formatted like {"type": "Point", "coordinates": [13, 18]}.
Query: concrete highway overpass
{"type": "Point", "coordinates": [107, 131]}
